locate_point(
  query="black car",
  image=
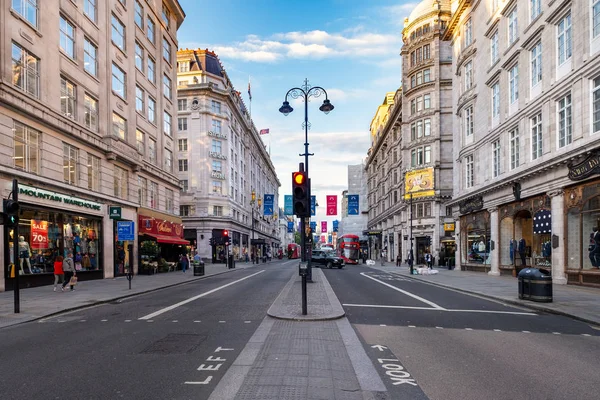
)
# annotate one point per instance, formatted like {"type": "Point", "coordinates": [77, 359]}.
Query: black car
{"type": "Point", "coordinates": [327, 259]}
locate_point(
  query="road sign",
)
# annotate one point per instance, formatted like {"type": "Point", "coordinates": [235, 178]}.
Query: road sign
{"type": "Point", "coordinates": [114, 212]}
{"type": "Point", "coordinates": [125, 230]}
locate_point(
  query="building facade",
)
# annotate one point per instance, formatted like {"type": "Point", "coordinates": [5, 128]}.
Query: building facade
{"type": "Point", "coordinates": [225, 169]}
{"type": "Point", "coordinates": [86, 101]}
{"type": "Point", "coordinates": [527, 143]}
{"type": "Point", "coordinates": [351, 223]}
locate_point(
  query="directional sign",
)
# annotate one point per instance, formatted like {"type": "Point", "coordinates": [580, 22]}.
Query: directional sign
{"type": "Point", "coordinates": [353, 204]}
{"type": "Point", "coordinates": [125, 230]}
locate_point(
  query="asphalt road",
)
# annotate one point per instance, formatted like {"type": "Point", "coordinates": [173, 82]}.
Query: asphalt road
{"type": "Point", "coordinates": [429, 342]}
{"type": "Point", "coordinates": [175, 343]}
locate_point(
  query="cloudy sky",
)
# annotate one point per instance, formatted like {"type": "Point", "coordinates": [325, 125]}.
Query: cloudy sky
{"type": "Point", "coordinates": [349, 47]}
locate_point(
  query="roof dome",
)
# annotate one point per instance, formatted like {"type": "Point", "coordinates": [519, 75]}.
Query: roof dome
{"type": "Point", "coordinates": [425, 7]}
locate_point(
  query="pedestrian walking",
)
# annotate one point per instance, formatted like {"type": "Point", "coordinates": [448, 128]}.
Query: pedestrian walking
{"type": "Point", "coordinates": [59, 274]}
{"type": "Point", "coordinates": [428, 260]}
{"type": "Point", "coordinates": [364, 256]}
{"type": "Point", "coordinates": [383, 255]}
{"type": "Point", "coordinates": [69, 270]}
{"type": "Point", "coordinates": [184, 261]}
{"type": "Point", "coordinates": [398, 260]}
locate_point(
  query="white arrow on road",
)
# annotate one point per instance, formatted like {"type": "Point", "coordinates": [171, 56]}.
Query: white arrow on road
{"type": "Point", "coordinates": [379, 347]}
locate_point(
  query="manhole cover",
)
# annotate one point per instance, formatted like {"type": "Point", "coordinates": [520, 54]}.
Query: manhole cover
{"type": "Point", "coordinates": [175, 343]}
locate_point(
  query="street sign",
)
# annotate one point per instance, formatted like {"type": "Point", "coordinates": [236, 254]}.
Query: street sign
{"type": "Point", "coordinates": [125, 230]}
{"type": "Point", "coordinates": [114, 212]}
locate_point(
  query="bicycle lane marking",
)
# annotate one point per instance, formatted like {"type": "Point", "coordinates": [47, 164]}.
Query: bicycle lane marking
{"type": "Point", "coordinates": [414, 296]}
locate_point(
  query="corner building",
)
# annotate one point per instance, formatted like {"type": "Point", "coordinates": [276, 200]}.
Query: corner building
{"type": "Point", "coordinates": [85, 124]}
{"type": "Point", "coordinates": [527, 136]}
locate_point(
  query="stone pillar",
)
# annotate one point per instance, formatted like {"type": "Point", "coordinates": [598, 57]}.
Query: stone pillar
{"type": "Point", "coordinates": [495, 237]}
{"type": "Point", "coordinates": [558, 224]}
{"type": "Point", "coordinates": [457, 257]}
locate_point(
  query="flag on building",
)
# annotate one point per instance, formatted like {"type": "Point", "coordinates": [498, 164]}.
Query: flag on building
{"type": "Point", "coordinates": [249, 92]}
{"type": "Point", "coordinates": [264, 131]}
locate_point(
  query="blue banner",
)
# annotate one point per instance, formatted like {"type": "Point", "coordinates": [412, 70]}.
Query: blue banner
{"type": "Point", "coordinates": [335, 225]}
{"type": "Point", "coordinates": [313, 206]}
{"type": "Point", "coordinates": [290, 226]}
{"type": "Point", "coordinates": [353, 204]}
{"type": "Point", "coordinates": [313, 226]}
{"type": "Point", "coordinates": [288, 209]}
{"type": "Point", "coordinates": [268, 204]}
{"type": "Point", "coordinates": [125, 230]}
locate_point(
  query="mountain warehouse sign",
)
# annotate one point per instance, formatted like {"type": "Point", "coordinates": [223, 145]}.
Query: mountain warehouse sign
{"type": "Point", "coordinates": [31, 191]}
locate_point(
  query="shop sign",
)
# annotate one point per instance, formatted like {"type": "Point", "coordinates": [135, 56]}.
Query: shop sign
{"type": "Point", "coordinates": [220, 156]}
{"type": "Point", "coordinates": [159, 227]}
{"type": "Point", "coordinates": [217, 175]}
{"type": "Point", "coordinates": [419, 183]}
{"type": "Point", "coordinates": [469, 205]}
{"type": "Point", "coordinates": [39, 234]}
{"type": "Point", "coordinates": [125, 230]}
{"type": "Point", "coordinates": [217, 135]}
{"type": "Point", "coordinates": [586, 168]}
{"type": "Point", "coordinates": [59, 198]}
{"type": "Point", "coordinates": [449, 227]}
{"type": "Point", "coordinates": [371, 233]}
{"type": "Point", "coordinates": [114, 212]}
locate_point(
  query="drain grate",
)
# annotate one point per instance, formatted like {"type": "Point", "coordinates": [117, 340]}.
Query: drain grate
{"type": "Point", "coordinates": [175, 343]}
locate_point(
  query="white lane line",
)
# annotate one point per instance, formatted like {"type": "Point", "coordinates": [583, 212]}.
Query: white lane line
{"type": "Point", "coordinates": [247, 322]}
{"type": "Point", "coordinates": [436, 309]}
{"type": "Point", "coordinates": [412, 326]}
{"type": "Point", "coordinates": [585, 334]}
{"type": "Point", "coordinates": [175, 320]}
{"type": "Point", "coordinates": [221, 322]}
{"type": "Point", "coordinates": [384, 306]}
{"type": "Point", "coordinates": [127, 320]}
{"type": "Point", "coordinates": [526, 332]}
{"type": "Point", "coordinates": [82, 320]}
{"type": "Point", "coordinates": [197, 321]}
{"type": "Point", "coordinates": [439, 327]}
{"type": "Point", "coordinates": [383, 325]}
{"type": "Point", "coordinates": [468, 329]}
{"type": "Point", "coordinates": [497, 330]}
{"type": "Point", "coordinates": [556, 333]}
{"type": "Point", "coordinates": [104, 320]}
{"type": "Point", "coordinates": [174, 306]}
{"type": "Point", "coordinates": [414, 296]}
{"type": "Point", "coordinates": [494, 312]}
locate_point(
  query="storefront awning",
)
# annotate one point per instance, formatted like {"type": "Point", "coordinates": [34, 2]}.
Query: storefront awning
{"type": "Point", "coordinates": [167, 239]}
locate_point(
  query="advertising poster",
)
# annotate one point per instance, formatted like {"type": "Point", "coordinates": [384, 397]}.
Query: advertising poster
{"type": "Point", "coordinates": [39, 235]}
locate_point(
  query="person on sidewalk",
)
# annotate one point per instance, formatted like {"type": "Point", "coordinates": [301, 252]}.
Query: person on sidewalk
{"type": "Point", "coordinates": [398, 260]}
{"type": "Point", "coordinates": [59, 274]}
{"type": "Point", "coordinates": [428, 261]}
{"type": "Point", "coordinates": [197, 258]}
{"type": "Point", "coordinates": [69, 269]}
{"type": "Point", "coordinates": [184, 261]}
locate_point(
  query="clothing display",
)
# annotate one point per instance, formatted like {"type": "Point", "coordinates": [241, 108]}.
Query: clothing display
{"type": "Point", "coordinates": [24, 254]}
{"type": "Point", "coordinates": [513, 249]}
{"type": "Point", "coordinates": [522, 248]}
{"type": "Point", "coordinates": [594, 248]}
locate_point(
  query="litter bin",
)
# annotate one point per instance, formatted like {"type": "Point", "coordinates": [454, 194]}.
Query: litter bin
{"type": "Point", "coordinates": [231, 261]}
{"type": "Point", "coordinates": [535, 285]}
{"type": "Point", "coordinates": [199, 269]}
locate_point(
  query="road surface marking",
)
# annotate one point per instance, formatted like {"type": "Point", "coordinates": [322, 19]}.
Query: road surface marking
{"type": "Point", "coordinates": [437, 309]}
{"type": "Point", "coordinates": [414, 296]}
{"type": "Point", "coordinates": [412, 326]}
{"type": "Point", "coordinates": [468, 329]}
{"type": "Point", "coordinates": [439, 327]}
{"type": "Point", "coordinates": [83, 320]}
{"type": "Point", "coordinates": [497, 330]}
{"type": "Point", "coordinates": [221, 322]}
{"type": "Point", "coordinates": [175, 320]}
{"type": "Point", "coordinates": [204, 382]}
{"type": "Point", "coordinates": [378, 347]}
{"type": "Point", "coordinates": [197, 321]}
{"type": "Point", "coordinates": [174, 306]}
{"type": "Point", "coordinates": [383, 306]}
{"type": "Point", "coordinates": [526, 332]}
{"type": "Point", "coordinates": [383, 325]}
{"type": "Point", "coordinates": [149, 320]}
{"type": "Point", "coordinates": [104, 320]}
{"type": "Point", "coordinates": [556, 333]}
{"type": "Point", "coordinates": [127, 320]}
{"type": "Point", "coordinates": [494, 312]}
{"type": "Point", "coordinates": [585, 334]}
{"type": "Point", "coordinates": [247, 322]}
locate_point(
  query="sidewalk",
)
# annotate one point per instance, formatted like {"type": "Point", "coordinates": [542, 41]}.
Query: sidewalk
{"type": "Point", "coordinates": [39, 302]}
{"type": "Point", "coordinates": [582, 303]}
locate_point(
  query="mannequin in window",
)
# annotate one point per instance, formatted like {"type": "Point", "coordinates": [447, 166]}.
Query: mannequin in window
{"type": "Point", "coordinates": [24, 254]}
{"type": "Point", "coordinates": [522, 249]}
{"type": "Point", "coordinates": [594, 248]}
{"type": "Point", "coordinates": [512, 250]}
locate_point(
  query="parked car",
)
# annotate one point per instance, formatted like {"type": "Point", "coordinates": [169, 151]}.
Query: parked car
{"type": "Point", "coordinates": [324, 258]}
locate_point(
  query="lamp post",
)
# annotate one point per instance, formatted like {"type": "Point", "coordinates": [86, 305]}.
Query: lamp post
{"type": "Point", "coordinates": [306, 92]}
{"type": "Point", "coordinates": [252, 254]}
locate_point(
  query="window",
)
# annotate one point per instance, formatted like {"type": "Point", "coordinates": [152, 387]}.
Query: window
{"type": "Point", "coordinates": [151, 69]}
{"type": "Point", "coordinates": [89, 8]}
{"type": "Point", "coordinates": [183, 66]}
{"type": "Point", "coordinates": [151, 110]}
{"type": "Point", "coordinates": [536, 64]}
{"type": "Point", "coordinates": [118, 81]}
{"type": "Point", "coordinates": [426, 75]}
{"type": "Point", "coordinates": [166, 50]}
{"type": "Point", "coordinates": [90, 51]}
{"type": "Point", "coordinates": [427, 154]}
{"type": "Point", "coordinates": [28, 9]}
{"type": "Point", "coordinates": [536, 136]}
{"type": "Point", "coordinates": [514, 83]}
{"type": "Point", "coordinates": [565, 127]}
{"type": "Point", "coordinates": [413, 59]}
{"type": "Point", "coordinates": [70, 157]}
{"type": "Point", "coordinates": [413, 106]}
{"type": "Point", "coordinates": [182, 144]}
{"type": "Point", "coordinates": [153, 195]}
{"type": "Point", "coordinates": [216, 146]}
{"type": "Point", "coordinates": [468, 75]}
{"type": "Point", "coordinates": [25, 70]}
{"type": "Point", "coordinates": [143, 191]}
{"type": "Point", "coordinates": [536, 8]}
{"type": "Point", "coordinates": [139, 15]}
{"type": "Point", "coordinates": [166, 87]}
{"type": "Point", "coordinates": [217, 188]}
{"type": "Point", "coordinates": [216, 107]}
{"type": "Point", "coordinates": [496, 100]}
{"type": "Point", "coordinates": [152, 151]}
{"type": "Point", "coordinates": [167, 123]}
{"type": "Point", "coordinates": [419, 78]}
{"type": "Point", "coordinates": [596, 105]}
{"type": "Point", "coordinates": [120, 181]}
{"type": "Point", "coordinates": [90, 106]}
{"type": "Point", "coordinates": [421, 210]}
{"type": "Point", "coordinates": [67, 98]}
{"type": "Point", "coordinates": [183, 165]}
{"type": "Point", "coordinates": [118, 33]}
{"type": "Point", "coordinates": [119, 126]}
{"type": "Point", "coordinates": [217, 166]}
{"type": "Point", "coordinates": [469, 171]}
{"type": "Point", "coordinates": [140, 141]}
{"type": "Point", "coordinates": [468, 33]}
{"type": "Point", "coordinates": [564, 39]}
{"type": "Point", "coordinates": [419, 129]}
{"type": "Point", "coordinates": [514, 148]}
{"type": "Point", "coordinates": [166, 15]}
{"type": "Point", "coordinates": [169, 200]}
{"type": "Point", "coordinates": [150, 30]}
{"type": "Point", "coordinates": [427, 124]}
{"type": "Point", "coordinates": [426, 101]}
{"type": "Point", "coordinates": [184, 185]}
{"type": "Point", "coordinates": [513, 32]}
{"type": "Point", "coordinates": [469, 121]}
{"type": "Point", "coordinates": [596, 18]}
{"type": "Point", "coordinates": [67, 37]}
{"type": "Point", "coordinates": [216, 126]}
{"type": "Point", "coordinates": [181, 104]}
{"type": "Point", "coordinates": [27, 148]}
{"type": "Point", "coordinates": [139, 99]}
{"type": "Point", "coordinates": [168, 161]}
{"type": "Point", "coordinates": [184, 211]}
{"type": "Point", "coordinates": [496, 161]}
{"type": "Point", "coordinates": [182, 124]}
{"type": "Point", "coordinates": [139, 57]}
{"type": "Point", "coordinates": [419, 103]}
{"type": "Point", "coordinates": [426, 52]}
{"type": "Point", "coordinates": [420, 156]}
{"type": "Point", "coordinates": [93, 172]}
{"type": "Point", "coordinates": [494, 51]}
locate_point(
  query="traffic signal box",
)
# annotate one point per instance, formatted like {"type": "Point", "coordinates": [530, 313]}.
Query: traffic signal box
{"type": "Point", "coordinates": [226, 237]}
{"type": "Point", "coordinates": [300, 194]}
{"type": "Point", "coordinates": [10, 213]}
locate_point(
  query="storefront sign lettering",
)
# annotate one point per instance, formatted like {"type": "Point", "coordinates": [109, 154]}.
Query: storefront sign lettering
{"type": "Point", "coordinates": [164, 227]}
{"type": "Point", "coordinates": [217, 135]}
{"type": "Point", "coordinates": [160, 227]}
{"type": "Point", "coordinates": [59, 198]}
{"type": "Point", "coordinates": [469, 205]}
{"type": "Point", "coordinates": [220, 156]}
{"type": "Point", "coordinates": [586, 168]}
{"type": "Point", "coordinates": [217, 175]}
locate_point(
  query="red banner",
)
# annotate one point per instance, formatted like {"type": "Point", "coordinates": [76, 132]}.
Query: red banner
{"type": "Point", "coordinates": [159, 227]}
{"type": "Point", "coordinates": [323, 226]}
{"type": "Point", "coordinates": [331, 204]}
{"type": "Point", "coordinates": [39, 234]}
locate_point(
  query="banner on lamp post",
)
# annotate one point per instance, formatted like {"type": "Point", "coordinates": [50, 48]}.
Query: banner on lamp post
{"type": "Point", "coordinates": [313, 206]}
{"type": "Point", "coordinates": [313, 226]}
{"type": "Point", "coordinates": [323, 226]}
{"type": "Point", "coordinates": [331, 204]}
{"type": "Point", "coordinates": [353, 208]}
{"type": "Point", "coordinates": [268, 204]}
{"type": "Point", "coordinates": [288, 208]}
{"type": "Point", "coordinates": [290, 227]}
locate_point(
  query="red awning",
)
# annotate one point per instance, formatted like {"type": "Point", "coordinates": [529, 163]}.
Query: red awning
{"type": "Point", "coordinates": [167, 239]}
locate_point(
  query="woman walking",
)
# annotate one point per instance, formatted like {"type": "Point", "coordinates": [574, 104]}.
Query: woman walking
{"type": "Point", "coordinates": [59, 274]}
{"type": "Point", "coordinates": [69, 269]}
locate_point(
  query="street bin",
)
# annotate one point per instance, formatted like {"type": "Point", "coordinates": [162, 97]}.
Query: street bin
{"type": "Point", "coordinates": [231, 261]}
{"type": "Point", "coordinates": [535, 285]}
{"type": "Point", "coordinates": [199, 268]}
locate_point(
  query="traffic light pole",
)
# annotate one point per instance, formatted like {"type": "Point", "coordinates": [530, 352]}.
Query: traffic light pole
{"type": "Point", "coordinates": [15, 196]}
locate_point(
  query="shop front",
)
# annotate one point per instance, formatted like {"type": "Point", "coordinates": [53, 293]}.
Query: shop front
{"type": "Point", "coordinates": [53, 224]}
{"type": "Point", "coordinates": [475, 239]}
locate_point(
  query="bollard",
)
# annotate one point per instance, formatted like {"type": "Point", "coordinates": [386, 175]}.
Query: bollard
{"type": "Point", "coordinates": [130, 278]}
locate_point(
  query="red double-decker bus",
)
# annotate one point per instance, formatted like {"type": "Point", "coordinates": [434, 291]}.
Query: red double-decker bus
{"type": "Point", "coordinates": [293, 250]}
{"type": "Point", "coordinates": [348, 248]}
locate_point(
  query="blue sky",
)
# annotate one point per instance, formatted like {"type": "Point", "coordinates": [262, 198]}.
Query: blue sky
{"type": "Point", "coordinates": [349, 47]}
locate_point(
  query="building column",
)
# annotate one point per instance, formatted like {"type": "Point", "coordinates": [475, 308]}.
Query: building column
{"type": "Point", "coordinates": [457, 255]}
{"type": "Point", "coordinates": [495, 236]}
{"type": "Point", "coordinates": [558, 223]}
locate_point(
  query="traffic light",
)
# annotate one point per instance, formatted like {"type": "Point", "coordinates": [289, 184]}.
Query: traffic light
{"type": "Point", "coordinates": [300, 194]}
{"type": "Point", "coordinates": [226, 238]}
{"type": "Point", "coordinates": [10, 213]}
{"type": "Point", "coordinates": [428, 240]}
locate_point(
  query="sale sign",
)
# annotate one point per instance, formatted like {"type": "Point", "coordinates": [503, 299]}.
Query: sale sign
{"type": "Point", "coordinates": [39, 234]}
{"type": "Point", "coordinates": [331, 204]}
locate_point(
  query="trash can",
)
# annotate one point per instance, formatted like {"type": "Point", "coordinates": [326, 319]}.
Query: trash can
{"type": "Point", "coordinates": [535, 285]}
{"type": "Point", "coordinates": [231, 263]}
{"type": "Point", "coordinates": [199, 269]}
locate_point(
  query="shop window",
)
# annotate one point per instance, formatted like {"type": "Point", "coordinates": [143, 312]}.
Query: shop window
{"type": "Point", "coordinates": [583, 243]}
{"type": "Point", "coordinates": [93, 172]}
{"type": "Point", "coordinates": [143, 191]}
{"type": "Point", "coordinates": [477, 239]}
